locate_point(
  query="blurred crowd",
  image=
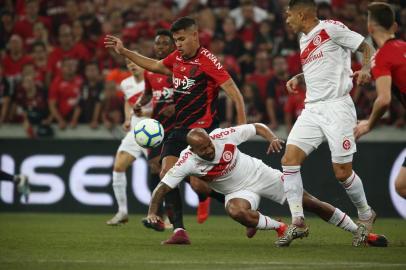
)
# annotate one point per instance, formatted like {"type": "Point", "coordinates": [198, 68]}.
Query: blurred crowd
{"type": "Point", "coordinates": [54, 67]}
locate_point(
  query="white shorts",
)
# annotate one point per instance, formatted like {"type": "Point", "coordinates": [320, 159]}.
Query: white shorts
{"type": "Point", "coordinates": [332, 120]}
{"type": "Point", "coordinates": [128, 143]}
{"type": "Point", "coordinates": [267, 184]}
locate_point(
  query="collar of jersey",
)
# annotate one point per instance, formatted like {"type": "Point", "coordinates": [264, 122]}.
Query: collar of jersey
{"type": "Point", "coordinates": [313, 30]}
{"type": "Point", "coordinates": [194, 56]}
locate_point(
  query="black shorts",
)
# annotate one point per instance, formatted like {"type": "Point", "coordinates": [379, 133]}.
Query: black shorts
{"type": "Point", "coordinates": [175, 143]}
{"type": "Point", "coordinates": [155, 152]}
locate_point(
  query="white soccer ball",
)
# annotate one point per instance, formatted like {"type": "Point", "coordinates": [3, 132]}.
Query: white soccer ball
{"type": "Point", "coordinates": [149, 133]}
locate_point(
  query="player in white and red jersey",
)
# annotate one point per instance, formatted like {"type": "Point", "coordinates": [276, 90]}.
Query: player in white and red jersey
{"type": "Point", "coordinates": [243, 179]}
{"type": "Point", "coordinates": [129, 150]}
{"type": "Point", "coordinates": [389, 72]}
{"type": "Point", "coordinates": [329, 111]}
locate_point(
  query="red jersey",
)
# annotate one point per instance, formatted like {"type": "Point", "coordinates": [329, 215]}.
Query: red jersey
{"type": "Point", "coordinates": [390, 60]}
{"type": "Point", "coordinates": [78, 52]}
{"type": "Point", "coordinates": [65, 93]}
{"type": "Point", "coordinates": [196, 86]}
{"type": "Point", "coordinates": [162, 96]}
{"type": "Point", "coordinates": [295, 104]}
{"type": "Point", "coordinates": [13, 68]}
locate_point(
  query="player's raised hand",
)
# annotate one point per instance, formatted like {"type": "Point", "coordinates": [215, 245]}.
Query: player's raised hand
{"type": "Point", "coordinates": [361, 129]}
{"type": "Point", "coordinates": [275, 146]}
{"type": "Point", "coordinates": [291, 85]}
{"type": "Point", "coordinates": [362, 76]}
{"type": "Point", "coordinates": [112, 42]}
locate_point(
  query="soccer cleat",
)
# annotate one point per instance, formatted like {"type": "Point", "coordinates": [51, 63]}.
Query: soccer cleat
{"type": "Point", "coordinates": [159, 226]}
{"type": "Point", "coordinates": [22, 185]}
{"type": "Point", "coordinates": [203, 210]}
{"type": "Point", "coordinates": [251, 232]}
{"type": "Point", "coordinates": [368, 222]}
{"type": "Point", "coordinates": [360, 236]}
{"type": "Point", "coordinates": [178, 238]}
{"type": "Point", "coordinates": [293, 232]}
{"type": "Point", "coordinates": [119, 218]}
{"type": "Point", "coordinates": [377, 240]}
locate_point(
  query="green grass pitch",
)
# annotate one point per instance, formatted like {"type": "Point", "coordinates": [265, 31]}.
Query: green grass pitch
{"type": "Point", "coordinates": [70, 241]}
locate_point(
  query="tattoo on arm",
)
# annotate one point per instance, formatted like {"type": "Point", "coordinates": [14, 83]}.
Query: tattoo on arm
{"type": "Point", "coordinates": [367, 52]}
{"type": "Point", "coordinates": [157, 197]}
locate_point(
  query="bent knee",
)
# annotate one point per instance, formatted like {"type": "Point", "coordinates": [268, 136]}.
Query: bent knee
{"type": "Point", "coordinates": [400, 188]}
{"type": "Point", "coordinates": [342, 174]}
{"type": "Point", "coordinates": [236, 212]}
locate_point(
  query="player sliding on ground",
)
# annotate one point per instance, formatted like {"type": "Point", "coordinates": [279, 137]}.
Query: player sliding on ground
{"type": "Point", "coordinates": [243, 180]}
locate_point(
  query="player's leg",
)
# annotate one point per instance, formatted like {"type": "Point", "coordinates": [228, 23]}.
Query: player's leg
{"type": "Point", "coordinates": [20, 180]}
{"type": "Point", "coordinates": [335, 216]}
{"type": "Point", "coordinates": [204, 193]}
{"type": "Point", "coordinates": [304, 137]}
{"type": "Point", "coordinates": [122, 161]}
{"type": "Point", "coordinates": [400, 183]}
{"type": "Point", "coordinates": [338, 128]}
{"type": "Point", "coordinates": [242, 207]}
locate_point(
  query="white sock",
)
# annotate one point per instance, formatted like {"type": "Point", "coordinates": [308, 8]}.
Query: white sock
{"type": "Point", "coordinates": [267, 223]}
{"type": "Point", "coordinates": [355, 190]}
{"type": "Point", "coordinates": [292, 183]}
{"type": "Point", "coordinates": [340, 219]}
{"type": "Point", "coordinates": [120, 188]}
{"type": "Point", "coordinates": [178, 229]}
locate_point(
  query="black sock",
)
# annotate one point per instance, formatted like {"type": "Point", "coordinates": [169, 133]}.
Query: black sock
{"type": "Point", "coordinates": [173, 206]}
{"type": "Point", "coordinates": [218, 196]}
{"type": "Point", "coordinates": [153, 181]}
{"type": "Point", "coordinates": [202, 196]}
{"type": "Point", "coordinates": [6, 176]}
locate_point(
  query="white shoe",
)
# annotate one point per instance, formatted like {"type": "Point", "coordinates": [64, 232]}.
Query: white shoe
{"type": "Point", "coordinates": [22, 185]}
{"type": "Point", "coordinates": [119, 218]}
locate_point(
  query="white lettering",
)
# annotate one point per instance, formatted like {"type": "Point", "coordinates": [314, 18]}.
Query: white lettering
{"type": "Point", "coordinates": [53, 182]}
{"type": "Point", "coordinates": [7, 187]}
{"type": "Point", "coordinates": [140, 181]}
{"type": "Point", "coordinates": [79, 179]}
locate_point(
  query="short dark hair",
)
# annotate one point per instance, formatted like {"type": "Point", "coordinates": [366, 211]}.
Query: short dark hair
{"type": "Point", "coordinates": [382, 14]}
{"type": "Point", "coordinates": [39, 44]}
{"type": "Point", "coordinates": [164, 32]}
{"type": "Point", "coordinates": [293, 3]}
{"type": "Point", "coordinates": [182, 24]}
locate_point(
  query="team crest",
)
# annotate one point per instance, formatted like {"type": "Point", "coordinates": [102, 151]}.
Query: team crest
{"type": "Point", "coordinates": [346, 144]}
{"type": "Point", "coordinates": [227, 156]}
{"type": "Point", "coordinates": [317, 40]}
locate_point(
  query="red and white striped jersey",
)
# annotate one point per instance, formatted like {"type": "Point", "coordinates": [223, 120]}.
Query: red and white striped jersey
{"type": "Point", "coordinates": [325, 54]}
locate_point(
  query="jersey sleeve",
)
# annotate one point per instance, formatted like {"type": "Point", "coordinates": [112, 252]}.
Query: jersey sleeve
{"type": "Point", "coordinates": [380, 65]}
{"type": "Point", "coordinates": [147, 82]}
{"type": "Point", "coordinates": [182, 168]}
{"type": "Point", "coordinates": [341, 35]}
{"type": "Point", "coordinates": [169, 60]}
{"type": "Point", "coordinates": [235, 135]}
{"type": "Point", "coordinates": [215, 70]}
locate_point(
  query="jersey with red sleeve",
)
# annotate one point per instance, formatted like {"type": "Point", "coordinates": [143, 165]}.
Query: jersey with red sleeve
{"type": "Point", "coordinates": [162, 96]}
{"type": "Point", "coordinates": [196, 85]}
{"type": "Point", "coordinates": [390, 60]}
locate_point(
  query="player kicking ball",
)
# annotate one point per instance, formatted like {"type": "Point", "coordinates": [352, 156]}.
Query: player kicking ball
{"type": "Point", "coordinates": [243, 180]}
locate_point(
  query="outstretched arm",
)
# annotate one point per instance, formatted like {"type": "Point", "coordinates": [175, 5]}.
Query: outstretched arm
{"type": "Point", "coordinates": [142, 61]}
{"type": "Point", "coordinates": [263, 131]}
{"type": "Point", "coordinates": [156, 200]}
{"type": "Point", "coordinates": [234, 94]}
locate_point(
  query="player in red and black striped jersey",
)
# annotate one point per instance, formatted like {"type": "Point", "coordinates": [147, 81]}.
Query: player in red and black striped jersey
{"type": "Point", "coordinates": [389, 72]}
{"type": "Point", "coordinates": [197, 76]}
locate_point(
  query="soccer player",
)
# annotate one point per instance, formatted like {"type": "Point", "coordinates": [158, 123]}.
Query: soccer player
{"type": "Point", "coordinates": [216, 159]}
{"type": "Point", "coordinates": [20, 180]}
{"type": "Point", "coordinates": [388, 65]}
{"type": "Point", "coordinates": [197, 76]}
{"type": "Point", "coordinates": [329, 111]}
{"type": "Point", "coordinates": [128, 150]}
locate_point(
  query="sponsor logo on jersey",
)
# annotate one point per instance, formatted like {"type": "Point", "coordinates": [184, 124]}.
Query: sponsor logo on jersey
{"type": "Point", "coordinates": [223, 133]}
{"type": "Point", "coordinates": [212, 58]}
{"type": "Point", "coordinates": [183, 159]}
{"type": "Point", "coordinates": [183, 84]}
{"type": "Point", "coordinates": [227, 156]}
{"type": "Point", "coordinates": [166, 93]}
